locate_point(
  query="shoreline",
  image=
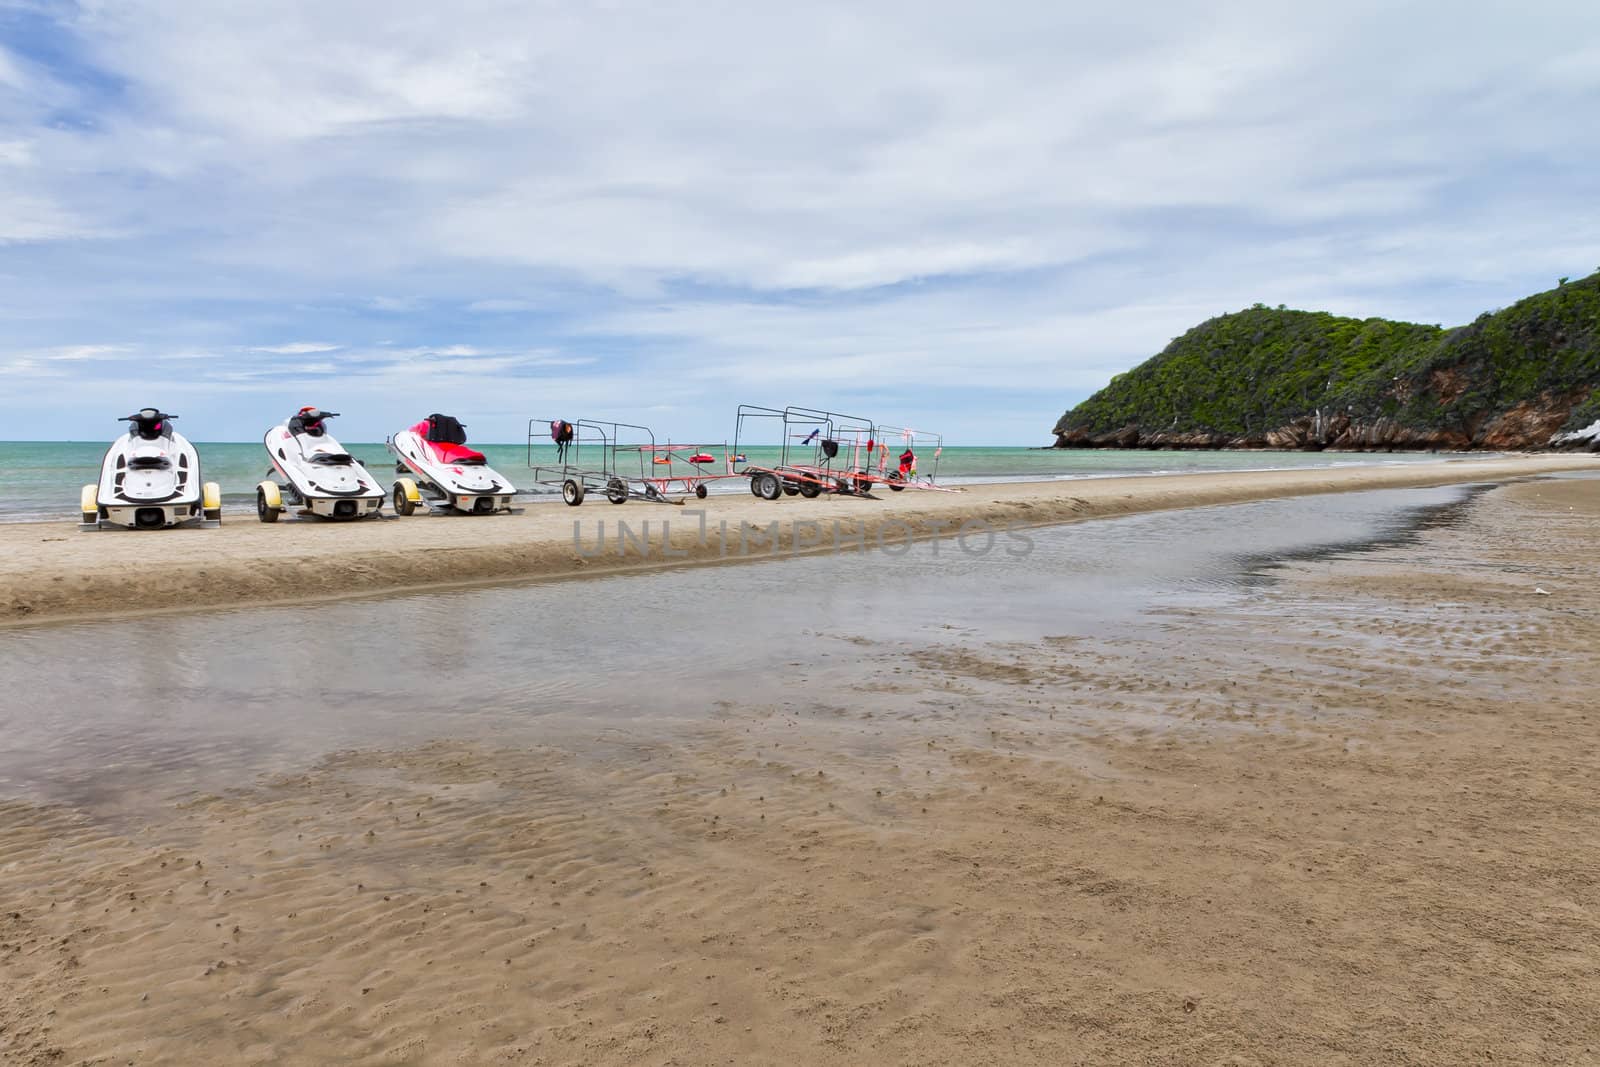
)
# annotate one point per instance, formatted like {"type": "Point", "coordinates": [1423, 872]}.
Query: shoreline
{"type": "Point", "coordinates": [52, 572]}
{"type": "Point", "coordinates": [30, 508]}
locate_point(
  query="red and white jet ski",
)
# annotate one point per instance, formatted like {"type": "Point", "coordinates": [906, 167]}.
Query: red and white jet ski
{"type": "Point", "coordinates": [445, 475]}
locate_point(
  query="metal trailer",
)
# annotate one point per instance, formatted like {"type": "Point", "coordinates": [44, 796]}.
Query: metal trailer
{"type": "Point", "coordinates": [600, 457]}
{"type": "Point", "coordinates": [879, 470]}
{"type": "Point", "coordinates": [844, 452]}
{"type": "Point", "coordinates": [688, 467]}
{"type": "Point", "coordinates": [820, 452]}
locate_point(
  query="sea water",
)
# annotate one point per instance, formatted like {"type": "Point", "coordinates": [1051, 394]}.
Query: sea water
{"type": "Point", "coordinates": [42, 479]}
{"type": "Point", "coordinates": [96, 712]}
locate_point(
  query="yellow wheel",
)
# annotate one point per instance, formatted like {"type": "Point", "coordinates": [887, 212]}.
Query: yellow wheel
{"type": "Point", "coordinates": [89, 504]}
{"type": "Point", "coordinates": [211, 502]}
{"type": "Point", "coordinates": [269, 502]}
{"type": "Point", "coordinates": [406, 496]}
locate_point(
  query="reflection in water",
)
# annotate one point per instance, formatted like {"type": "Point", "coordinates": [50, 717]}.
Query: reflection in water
{"type": "Point", "coordinates": [177, 703]}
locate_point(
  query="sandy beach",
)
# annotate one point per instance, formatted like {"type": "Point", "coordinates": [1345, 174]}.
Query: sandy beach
{"type": "Point", "coordinates": [53, 571]}
{"type": "Point", "coordinates": [1348, 820]}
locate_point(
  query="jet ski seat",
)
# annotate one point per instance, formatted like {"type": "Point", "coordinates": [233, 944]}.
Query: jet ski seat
{"type": "Point", "coordinates": [459, 455]}
{"type": "Point", "coordinates": [445, 430]}
{"type": "Point", "coordinates": [446, 438]}
{"type": "Point", "coordinates": [148, 424]}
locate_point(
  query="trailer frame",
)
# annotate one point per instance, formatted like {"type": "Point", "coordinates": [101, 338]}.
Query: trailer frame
{"type": "Point", "coordinates": [601, 458]}
{"type": "Point", "coordinates": [896, 479]}
{"type": "Point", "coordinates": [792, 475]}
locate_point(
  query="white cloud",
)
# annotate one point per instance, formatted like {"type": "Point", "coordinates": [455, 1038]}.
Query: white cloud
{"type": "Point", "coordinates": [16, 154]}
{"type": "Point", "coordinates": [495, 306]}
{"type": "Point", "coordinates": [394, 303]}
{"type": "Point", "coordinates": [77, 353]}
{"type": "Point", "coordinates": [29, 218]}
{"type": "Point", "coordinates": [297, 348]}
{"type": "Point", "coordinates": [427, 352]}
{"type": "Point", "coordinates": [10, 71]}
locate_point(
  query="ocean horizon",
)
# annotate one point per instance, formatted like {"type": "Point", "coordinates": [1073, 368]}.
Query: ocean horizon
{"type": "Point", "coordinates": [43, 478]}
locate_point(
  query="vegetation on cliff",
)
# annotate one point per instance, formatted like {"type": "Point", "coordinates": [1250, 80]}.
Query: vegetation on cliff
{"type": "Point", "coordinates": [1310, 379]}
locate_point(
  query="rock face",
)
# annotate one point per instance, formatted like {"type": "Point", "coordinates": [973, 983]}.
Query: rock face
{"type": "Point", "coordinates": [1527, 427]}
{"type": "Point", "coordinates": [1526, 378]}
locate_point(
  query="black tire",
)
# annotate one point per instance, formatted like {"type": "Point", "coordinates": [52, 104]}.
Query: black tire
{"type": "Point", "coordinates": [617, 491]}
{"type": "Point", "coordinates": [767, 486]}
{"type": "Point", "coordinates": [790, 489]}
{"type": "Point", "coordinates": [700, 491]}
{"type": "Point", "coordinates": [402, 503]}
{"type": "Point", "coordinates": [572, 492]}
{"type": "Point", "coordinates": [755, 485]}
{"type": "Point", "coordinates": [863, 487]}
{"type": "Point", "coordinates": [895, 478]}
{"type": "Point", "coordinates": [264, 513]}
{"type": "Point", "coordinates": [810, 490]}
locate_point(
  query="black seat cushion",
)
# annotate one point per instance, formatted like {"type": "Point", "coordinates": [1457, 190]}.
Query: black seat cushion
{"type": "Point", "coordinates": [445, 430]}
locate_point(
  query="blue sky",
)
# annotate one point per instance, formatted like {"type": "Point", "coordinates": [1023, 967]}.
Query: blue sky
{"type": "Point", "coordinates": [966, 217]}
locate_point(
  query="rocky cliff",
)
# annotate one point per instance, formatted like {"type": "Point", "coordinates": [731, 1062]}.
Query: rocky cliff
{"type": "Point", "coordinates": [1526, 377]}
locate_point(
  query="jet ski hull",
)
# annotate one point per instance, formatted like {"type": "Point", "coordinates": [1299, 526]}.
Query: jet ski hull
{"type": "Point", "coordinates": [316, 477]}
{"type": "Point", "coordinates": [472, 488]}
{"type": "Point", "coordinates": [150, 484]}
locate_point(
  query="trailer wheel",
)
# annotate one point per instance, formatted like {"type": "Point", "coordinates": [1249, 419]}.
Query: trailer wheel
{"type": "Point", "coordinates": [405, 496]}
{"type": "Point", "coordinates": [617, 491]}
{"type": "Point", "coordinates": [895, 478]}
{"type": "Point", "coordinates": [790, 489]}
{"type": "Point", "coordinates": [809, 490]}
{"type": "Point", "coordinates": [700, 491]}
{"type": "Point", "coordinates": [863, 486]}
{"type": "Point", "coordinates": [767, 486]}
{"type": "Point", "coordinates": [572, 491]}
{"type": "Point", "coordinates": [755, 485]}
{"type": "Point", "coordinates": [269, 505]}
{"type": "Point", "coordinates": [211, 502]}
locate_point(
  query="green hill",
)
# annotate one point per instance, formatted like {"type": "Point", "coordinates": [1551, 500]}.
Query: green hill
{"type": "Point", "coordinates": [1264, 378]}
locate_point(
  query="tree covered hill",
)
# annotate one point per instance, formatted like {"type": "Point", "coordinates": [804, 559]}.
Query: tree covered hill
{"type": "Point", "coordinates": [1524, 377]}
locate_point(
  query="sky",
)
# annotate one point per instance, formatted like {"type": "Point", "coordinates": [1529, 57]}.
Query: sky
{"type": "Point", "coordinates": [964, 217]}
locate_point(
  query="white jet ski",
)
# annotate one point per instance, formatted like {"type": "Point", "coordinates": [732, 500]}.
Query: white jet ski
{"type": "Point", "coordinates": [150, 479]}
{"type": "Point", "coordinates": [312, 472]}
{"type": "Point", "coordinates": [445, 475]}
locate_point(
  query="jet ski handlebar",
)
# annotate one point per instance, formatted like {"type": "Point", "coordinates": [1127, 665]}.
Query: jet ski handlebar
{"type": "Point", "coordinates": [147, 415]}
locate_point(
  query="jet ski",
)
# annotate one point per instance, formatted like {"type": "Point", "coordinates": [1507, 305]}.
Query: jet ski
{"type": "Point", "coordinates": [312, 472]}
{"type": "Point", "coordinates": [150, 479]}
{"type": "Point", "coordinates": [444, 474]}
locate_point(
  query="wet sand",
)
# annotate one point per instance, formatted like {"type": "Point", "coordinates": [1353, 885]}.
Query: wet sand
{"type": "Point", "coordinates": [53, 571]}
{"type": "Point", "coordinates": [1348, 819]}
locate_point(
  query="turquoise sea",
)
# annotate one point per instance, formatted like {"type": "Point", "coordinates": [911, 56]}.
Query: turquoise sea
{"type": "Point", "coordinates": [41, 479]}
